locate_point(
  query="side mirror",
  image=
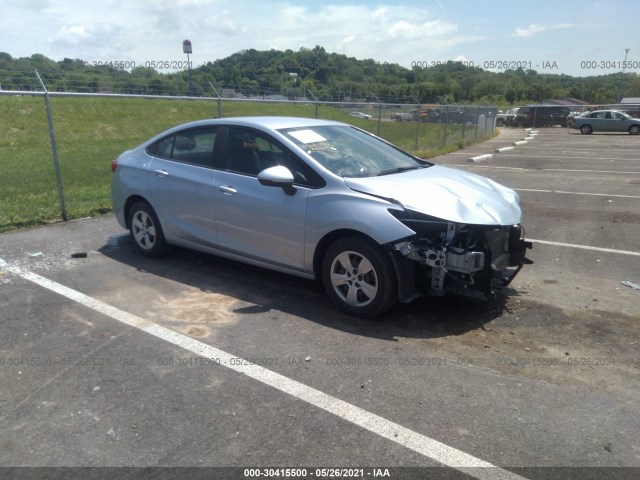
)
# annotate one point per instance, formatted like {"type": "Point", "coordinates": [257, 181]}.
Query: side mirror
{"type": "Point", "coordinates": [278, 176]}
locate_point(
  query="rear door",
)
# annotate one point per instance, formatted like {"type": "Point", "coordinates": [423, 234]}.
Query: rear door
{"type": "Point", "coordinates": [182, 184]}
{"type": "Point", "coordinates": [597, 121]}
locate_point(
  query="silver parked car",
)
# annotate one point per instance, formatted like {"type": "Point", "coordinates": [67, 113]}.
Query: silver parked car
{"type": "Point", "coordinates": [321, 200]}
{"type": "Point", "coordinates": [606, 121]}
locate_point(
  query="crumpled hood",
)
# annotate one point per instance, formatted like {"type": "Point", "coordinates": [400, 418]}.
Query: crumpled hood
{"type": "Point", "coordinates": [446, 193]}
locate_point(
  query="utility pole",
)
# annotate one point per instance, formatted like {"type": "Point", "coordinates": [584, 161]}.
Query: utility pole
{"type": "Point", "coordinates": [187, 48]}
{"type": "Point", "coordinates": [624, 66]}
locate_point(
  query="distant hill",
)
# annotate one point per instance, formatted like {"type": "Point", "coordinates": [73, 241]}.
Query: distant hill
{"type": "Point", "coordinates": [329, 76]}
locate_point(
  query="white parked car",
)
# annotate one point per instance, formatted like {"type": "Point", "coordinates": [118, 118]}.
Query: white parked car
{"type": "Point", "coordinates": [361, 115]}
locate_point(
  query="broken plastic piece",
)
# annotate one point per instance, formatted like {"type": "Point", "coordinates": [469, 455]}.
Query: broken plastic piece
{"type": "Point", "coordinates": [627, 283]}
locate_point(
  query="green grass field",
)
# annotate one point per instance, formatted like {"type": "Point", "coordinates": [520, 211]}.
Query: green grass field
{"type": "Point", "coordinates": [90, 132]}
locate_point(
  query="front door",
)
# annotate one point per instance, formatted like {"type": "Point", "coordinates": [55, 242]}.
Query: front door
{"type": "Point", "coordinates": [253, 220]}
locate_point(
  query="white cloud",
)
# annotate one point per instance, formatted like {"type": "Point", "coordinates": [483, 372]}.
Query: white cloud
{"type": "Point", "coordinates": [169, 5]}
{"type": "Point", "coordinates": [534, 29]}
{"type": "Point", "coordinates": [31, 4]}
{"type": "Point", "coordinates": [404, 29]}
{"type": "Point", "coordinates": [223, 23]}
{"type": "Point", "coordinates": [345, 41]}
{"type": "Point", "coordinates": [293, 13]}
{"type": "Point", "coordinates": [70, 35]}
{"type": "Point", "coordinates": [380, 12]}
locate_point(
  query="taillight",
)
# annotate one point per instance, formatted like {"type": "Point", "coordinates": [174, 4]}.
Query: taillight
{"type": "Point", "coordinates": [114, 165]}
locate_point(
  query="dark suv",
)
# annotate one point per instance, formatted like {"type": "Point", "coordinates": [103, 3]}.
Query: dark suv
{"type": "Point", "coordinates": [542, 116]}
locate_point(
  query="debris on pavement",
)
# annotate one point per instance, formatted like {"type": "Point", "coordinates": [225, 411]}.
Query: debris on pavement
{"type": "Point", "coordinates": [627, 283]}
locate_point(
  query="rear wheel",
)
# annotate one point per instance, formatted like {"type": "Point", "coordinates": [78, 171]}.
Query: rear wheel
{"type": "Point", "coordinates": [586, 129]}
{"type": "Point", "coordinates": [634, 129]}
{"type": "Point", "coordinates": [146, 231]}
{"type": "Point", "coordinates": [499, 122]}
{"type": "Point", "coordinates": [359, 277]}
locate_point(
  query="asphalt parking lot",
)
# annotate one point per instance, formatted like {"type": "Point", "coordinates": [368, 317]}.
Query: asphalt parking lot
{"type": "Point", "coordinates": [115, 360]}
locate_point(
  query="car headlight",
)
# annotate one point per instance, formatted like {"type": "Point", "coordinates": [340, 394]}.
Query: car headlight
{"type": "Point", "coordinates": [423, 225]}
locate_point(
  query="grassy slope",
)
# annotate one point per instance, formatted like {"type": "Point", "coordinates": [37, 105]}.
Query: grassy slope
{"type": "Point", "coordinates": [90, 132]}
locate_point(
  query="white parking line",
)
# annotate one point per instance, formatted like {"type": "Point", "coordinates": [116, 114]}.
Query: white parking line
{"type": "Point", "coordinates": [541, 169]}
{"type": "Point", "coordinates": [585, 247]}
{"type": "Point", "coordinates": [521, 154]}
{"type": "Point", "coordinates": [392, 431]}
{"type": "Point", "coordinates": [576, 193]}
{"type": "Point", "coordinates": [588, 171]}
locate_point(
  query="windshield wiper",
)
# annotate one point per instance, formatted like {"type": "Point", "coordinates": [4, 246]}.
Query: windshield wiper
{"type": "Point", "coordinates": [401, 169]}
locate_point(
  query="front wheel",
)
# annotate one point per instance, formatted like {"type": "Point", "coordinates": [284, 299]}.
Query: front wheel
{"type": "Point", "coordinates": [586, 129]}
{"type": "Point", "coordinates": [634, 129]}
{"type": "Point", "coordinates": [146, 231]}
{"type": "Point", "coordinates": [359, 277]}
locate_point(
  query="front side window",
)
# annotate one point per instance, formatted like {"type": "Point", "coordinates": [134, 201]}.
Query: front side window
{"type": "Point", "coordinates": [350, 152]}
{"type": "Point", "coordinates": [190, 146]}
{"type": "Point", "coordinates": [249, 152]}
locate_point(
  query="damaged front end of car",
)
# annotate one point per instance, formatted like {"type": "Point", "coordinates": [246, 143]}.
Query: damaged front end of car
{"type": "Point", "coordinates": [449, 257]}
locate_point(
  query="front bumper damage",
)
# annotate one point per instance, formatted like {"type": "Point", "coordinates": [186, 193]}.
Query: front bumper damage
{"type": "Point", "coordinates": [472, 260]}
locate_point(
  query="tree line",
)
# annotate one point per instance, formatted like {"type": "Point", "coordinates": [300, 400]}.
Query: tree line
{"type": "Point", "coordinates": [316, 72]}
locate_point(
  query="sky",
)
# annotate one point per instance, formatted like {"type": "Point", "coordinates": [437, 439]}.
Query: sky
{"type": "Point", "coordinates": [570, 37]}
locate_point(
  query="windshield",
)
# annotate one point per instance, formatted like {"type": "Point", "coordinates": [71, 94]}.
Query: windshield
{"type": "Point", "coordinates": [350, 152]}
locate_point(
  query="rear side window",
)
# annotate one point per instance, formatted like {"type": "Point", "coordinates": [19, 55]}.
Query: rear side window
{"type": "Point", "coordinates": [189, 146]}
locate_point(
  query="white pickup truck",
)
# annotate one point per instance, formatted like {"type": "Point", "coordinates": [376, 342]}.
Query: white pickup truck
{"type": "Point", "coordinates": [507, 119]}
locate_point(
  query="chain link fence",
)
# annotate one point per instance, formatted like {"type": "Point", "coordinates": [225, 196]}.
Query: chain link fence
{"type": "Point", "coordinates": [56, 147]}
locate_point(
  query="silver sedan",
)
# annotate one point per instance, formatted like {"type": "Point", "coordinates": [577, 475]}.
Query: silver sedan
{"type": "Point", "coordinates": [606, 121]}
{"type": "Point", "coordinates": [321, 200]}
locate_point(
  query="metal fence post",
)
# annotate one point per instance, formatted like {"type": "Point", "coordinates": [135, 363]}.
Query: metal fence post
{"type": "Point", "coordinates": [54, 148]}
{"type": "Point", "coordinates": [379, 115]}
{"type": "Point", "coordinates": [477, 118]}
{"type": "Point", "coordinates": [317, 102]}
{"type": "Point", "coordinates": [464, 123]}
{"type": "Point", "coordinates": [417, 118]}
{"type": "Point", "coordinates": [486, 119]}
{"type": "Point", "coordinates": [219, 99]}
{"type": "Point", "coordinates": [446, 124]}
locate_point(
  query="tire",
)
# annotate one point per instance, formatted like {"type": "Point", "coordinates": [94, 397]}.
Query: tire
{"type": "Point", "coordinates": [146, 231]}
{"type": "Point", "coordinates": [586, 129]}
{"type": "Point", "coordinates": [634, 129]}
{"type": "Point", "coordinates": [359, 277]}
{"type": "Point", "coordinates": [499, 122]}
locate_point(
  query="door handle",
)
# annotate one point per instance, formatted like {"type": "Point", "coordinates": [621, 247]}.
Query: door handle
{"type": "Point", "coordinates": [161, 173]}
{"type": "Point", "coordinates": [226, 190]}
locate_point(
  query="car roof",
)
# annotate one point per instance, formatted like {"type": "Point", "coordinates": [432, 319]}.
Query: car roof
{"type": "Point", "coordinates": [269, 122]}
{"type": "Point", "coordinates": [607, 110]}
{"type": "Point", "coordinates": [262, 123]}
